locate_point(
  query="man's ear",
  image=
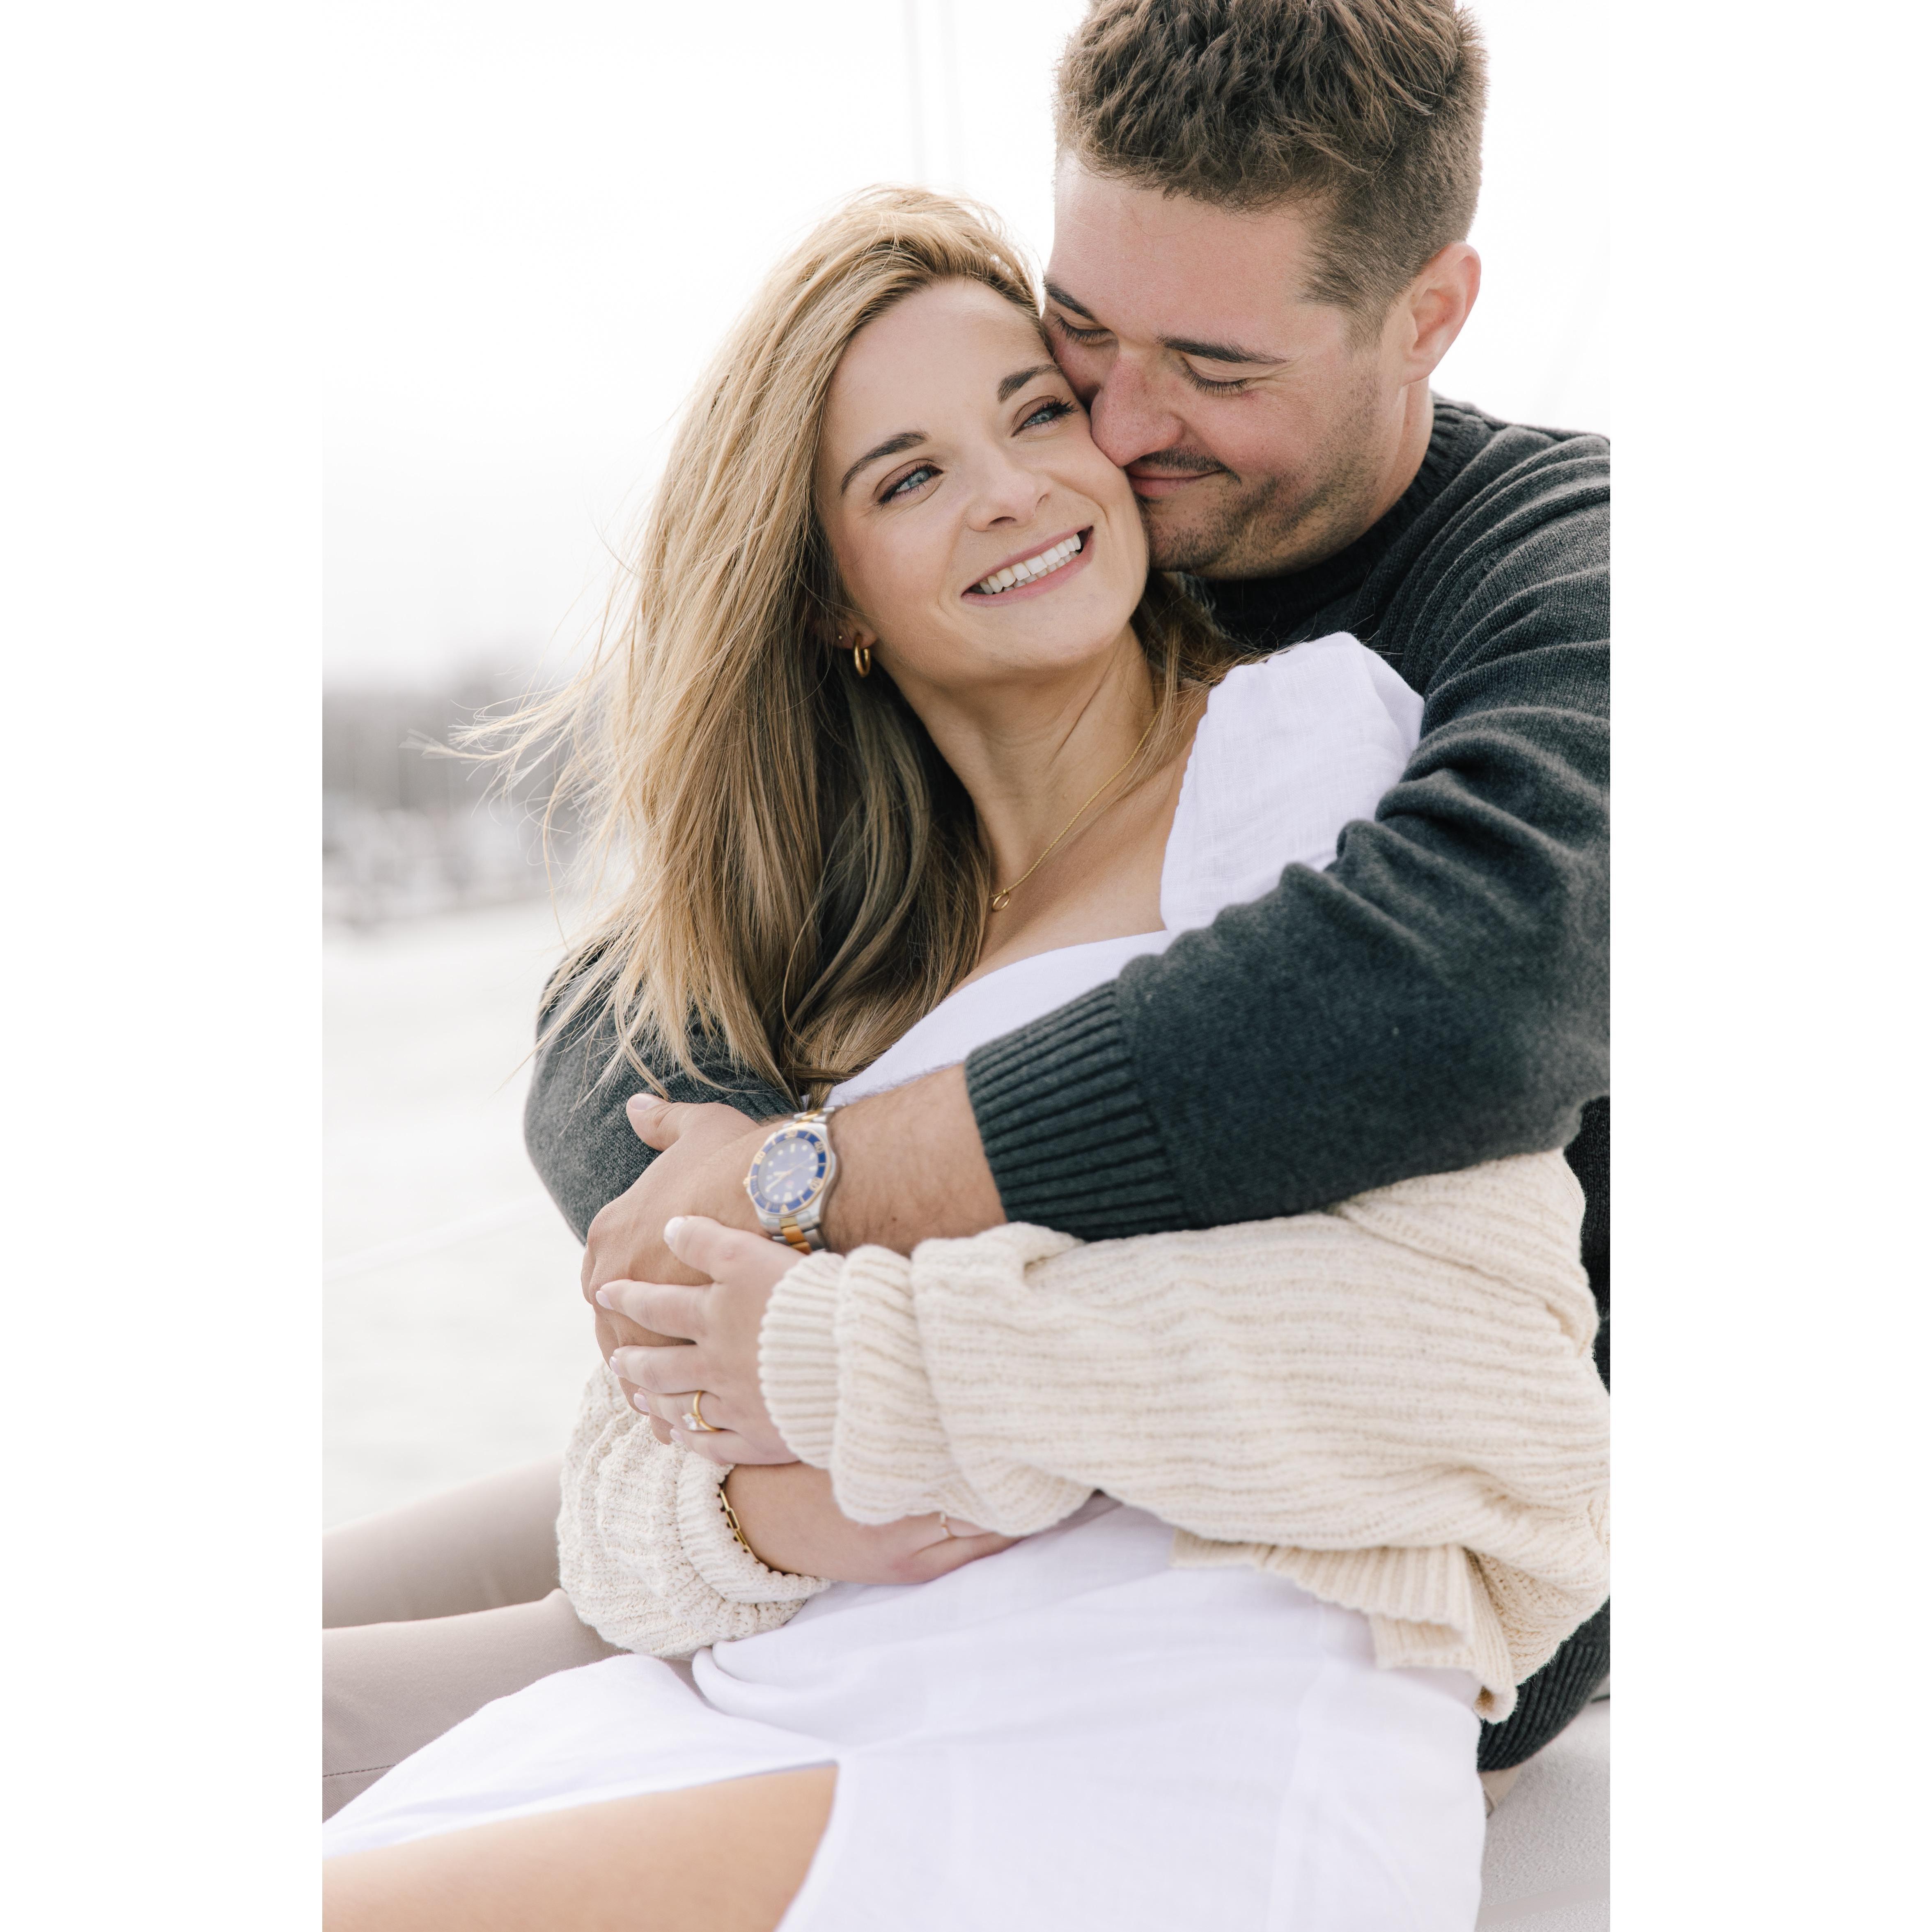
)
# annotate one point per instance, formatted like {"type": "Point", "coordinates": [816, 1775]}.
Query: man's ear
{"type": "Point", "coordinates": [1431, 311]}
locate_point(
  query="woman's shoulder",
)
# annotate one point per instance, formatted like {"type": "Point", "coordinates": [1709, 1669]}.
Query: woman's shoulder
{"type": "Point", "coordinates": [1291, 749]}
{"type": "Point", "coordinates": [1327, 681]}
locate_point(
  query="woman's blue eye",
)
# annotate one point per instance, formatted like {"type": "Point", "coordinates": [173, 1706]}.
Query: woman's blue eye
{"type": "Point", "coordinates": [1049, 412]}
{"type": "Point", "coordinates": [909, 480]}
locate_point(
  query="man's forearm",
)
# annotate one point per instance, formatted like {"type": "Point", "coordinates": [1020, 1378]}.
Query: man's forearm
{"type": "Point", "coordinates": [1438, 997]}
{"type": "Point", "coordinates": [911, 1167]}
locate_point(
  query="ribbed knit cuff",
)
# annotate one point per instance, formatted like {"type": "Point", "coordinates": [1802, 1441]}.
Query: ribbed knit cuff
{"type": "Point", "coordinates": [798, 1357]}
{"type": "Point", "coordinates": [719, 1559]}
{"type": "Point", "coordinates": [1072, 1142]}
{"type": "Point", "coordinates": [704, 1531]}
{"type": "Point", "coordinates": [1545, 1702]}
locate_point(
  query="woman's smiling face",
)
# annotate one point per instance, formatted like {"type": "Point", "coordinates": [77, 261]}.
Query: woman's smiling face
{"type": "Point", "coordinates": [980, 535]}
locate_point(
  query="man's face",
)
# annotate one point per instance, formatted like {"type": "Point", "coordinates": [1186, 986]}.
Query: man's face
{"type": "Point", "coordinates": [1258, 436]}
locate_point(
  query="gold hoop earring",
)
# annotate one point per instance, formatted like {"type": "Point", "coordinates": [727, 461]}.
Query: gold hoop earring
{"type": "Point", "coordinates": [862, 659]}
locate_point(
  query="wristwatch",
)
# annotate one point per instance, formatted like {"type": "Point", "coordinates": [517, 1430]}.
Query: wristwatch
{"type": "Point", "coordinates": [791, 1174]}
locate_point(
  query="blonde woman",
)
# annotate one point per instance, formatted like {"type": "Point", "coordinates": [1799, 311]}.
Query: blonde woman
{"type": "Point", "coordinates": [902, 745]}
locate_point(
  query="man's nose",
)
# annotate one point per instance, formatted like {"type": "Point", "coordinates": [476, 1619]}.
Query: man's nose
{"type": "Point", "coordinates": [1129, 418]}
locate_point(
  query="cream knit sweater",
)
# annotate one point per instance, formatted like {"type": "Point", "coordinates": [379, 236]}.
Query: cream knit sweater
{"type": "Point", "coordinates": [1392, 1401]}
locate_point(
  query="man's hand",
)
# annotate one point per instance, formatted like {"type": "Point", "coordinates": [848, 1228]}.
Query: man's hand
{"type": "Point", "coordinates": [705, 1154]}
{"type": "Point", "coordinates": [715, 1349]}
{"type": "Point", "coordinates": [790, 1518]}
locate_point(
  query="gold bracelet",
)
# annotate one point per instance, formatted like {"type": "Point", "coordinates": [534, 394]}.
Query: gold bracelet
{"type": "Point", "coordinates": [737, 1527]}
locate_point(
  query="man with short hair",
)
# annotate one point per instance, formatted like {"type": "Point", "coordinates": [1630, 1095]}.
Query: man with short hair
{"type": "Point", "coordinates": [1260, 257]}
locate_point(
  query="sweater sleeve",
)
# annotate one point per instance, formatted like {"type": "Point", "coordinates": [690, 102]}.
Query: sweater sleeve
{"type": "Point", "coordinates": [1436, 999]}
{"type": "Point", "coordinates": [1393, 1401]}
{"type": "Point", "coordinates": [647, 1557]}
{"type": "Point", "coordinates": [580, 1138]}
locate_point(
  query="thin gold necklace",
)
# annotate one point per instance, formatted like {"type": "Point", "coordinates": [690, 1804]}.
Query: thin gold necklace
{"type": "Point", "coordinates": [1004, 898]}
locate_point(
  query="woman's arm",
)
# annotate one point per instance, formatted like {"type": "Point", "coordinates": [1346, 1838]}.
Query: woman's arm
{"type": "Point", "coordinates": [647, 1554]}
{"type": "Point", "coordinates": [1407, 1374]}
{"type": "Point", "coordinates": [645, 1550]}
{"type": "Point", "coordinates": [790, 1517]}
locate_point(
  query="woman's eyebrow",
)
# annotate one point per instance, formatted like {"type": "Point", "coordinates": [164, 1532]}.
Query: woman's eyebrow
{"type": "Point", "coordinates": [1011, 385]}
{"type": "Point", "coordinates": [892, 444]}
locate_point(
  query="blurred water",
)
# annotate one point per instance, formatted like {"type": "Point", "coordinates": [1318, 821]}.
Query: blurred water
{"type": "Point", "coordinates": [406, 831]}
{"type": "Point", "coordinates": [455, 1339]}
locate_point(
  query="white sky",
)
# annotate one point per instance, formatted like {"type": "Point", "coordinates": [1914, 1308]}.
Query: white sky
{"type": "Point", "coordinates": [544, 218]}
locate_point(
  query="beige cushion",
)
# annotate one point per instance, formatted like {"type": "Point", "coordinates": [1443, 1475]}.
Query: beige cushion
{"type": "Point", "coordinates": [1547, 1867]}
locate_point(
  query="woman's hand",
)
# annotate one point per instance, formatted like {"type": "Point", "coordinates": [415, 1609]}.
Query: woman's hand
{"type": "Point", "coordinates": [716, 1354]}
{"type": "Point", "coordinates": [790, 1520]}
{"type": "Point", "coordinates": [785, 1507]}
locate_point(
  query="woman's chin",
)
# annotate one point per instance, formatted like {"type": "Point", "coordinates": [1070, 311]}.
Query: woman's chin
{"type": "Point", "coordinates": [1072, 642]}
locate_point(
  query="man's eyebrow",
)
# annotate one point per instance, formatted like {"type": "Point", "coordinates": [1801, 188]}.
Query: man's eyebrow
{"type": "Point", "coordinates": [1219, 352]}
{"type": "Point", "coordinates": [1011, 385]}
{"type": "Point", "coordinates": [905, 440]}
{"type": "Point", "coordinates": [1208, 352]}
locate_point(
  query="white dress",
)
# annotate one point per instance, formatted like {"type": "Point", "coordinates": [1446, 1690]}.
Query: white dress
{"type": "Point", "coordinates": [1070, 1729]}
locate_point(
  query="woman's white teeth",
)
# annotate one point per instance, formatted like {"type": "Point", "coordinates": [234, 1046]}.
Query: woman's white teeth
{"type": "Point", "coordinates": [1034, 566]}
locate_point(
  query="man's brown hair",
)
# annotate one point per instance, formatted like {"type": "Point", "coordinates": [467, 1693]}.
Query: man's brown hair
{"type": "Point", "coordinates": [1369, 112]}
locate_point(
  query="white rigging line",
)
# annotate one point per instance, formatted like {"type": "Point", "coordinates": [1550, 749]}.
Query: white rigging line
{"type": "Point", "coordinates": [915, 100]}
{"type": "Point", "coordinates": [934, 102]}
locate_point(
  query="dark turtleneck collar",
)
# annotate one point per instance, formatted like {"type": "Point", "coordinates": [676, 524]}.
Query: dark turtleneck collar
{"type": "Point", "coordinates": [1269, 611]}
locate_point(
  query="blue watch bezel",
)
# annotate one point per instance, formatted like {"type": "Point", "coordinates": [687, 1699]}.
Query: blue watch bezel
{"type": "Point", "coordinates": [772, 1212]}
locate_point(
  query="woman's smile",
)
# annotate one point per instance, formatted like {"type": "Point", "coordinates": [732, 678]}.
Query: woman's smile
{"type": "Point", "coordinates": [1044, 567]}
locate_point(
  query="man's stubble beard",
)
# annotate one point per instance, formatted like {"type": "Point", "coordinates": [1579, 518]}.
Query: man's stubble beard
{"type": "Point", "coordinates": [1273, 524]}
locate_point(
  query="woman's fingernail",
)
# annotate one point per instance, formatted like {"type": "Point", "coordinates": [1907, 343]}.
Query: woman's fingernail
{"type": "Point", "coordinates": [604, 1299]}
{"type": "Point", "coordinates": [642, 1404]}
{"type": "Point", "coordinates": [672, 1226]}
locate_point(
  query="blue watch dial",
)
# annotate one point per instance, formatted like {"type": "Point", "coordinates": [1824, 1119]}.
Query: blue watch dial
{"type": "Point", "coordinates": [787, 1172]}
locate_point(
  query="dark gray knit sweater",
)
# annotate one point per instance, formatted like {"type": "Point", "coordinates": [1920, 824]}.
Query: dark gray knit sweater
{"type": "Point", "coordinates": [1437, 997]}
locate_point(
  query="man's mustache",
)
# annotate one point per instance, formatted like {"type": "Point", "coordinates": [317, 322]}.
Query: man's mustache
{"type": "Point", "coordinates": [1178, 462]}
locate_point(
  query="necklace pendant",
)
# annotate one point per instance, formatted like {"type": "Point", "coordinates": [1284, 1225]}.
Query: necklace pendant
{"type": "Point", "coordinates": [1004, 897]}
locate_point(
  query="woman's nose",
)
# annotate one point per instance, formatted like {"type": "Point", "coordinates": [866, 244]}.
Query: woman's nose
{"type": "Point", "coordinates": [1005, 491]}
{"type": "Point", "coordinates": [1130, 417]}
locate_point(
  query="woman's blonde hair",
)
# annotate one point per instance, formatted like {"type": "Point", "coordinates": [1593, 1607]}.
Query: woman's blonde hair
{"type": "Point", "coordinates": [784, 861]}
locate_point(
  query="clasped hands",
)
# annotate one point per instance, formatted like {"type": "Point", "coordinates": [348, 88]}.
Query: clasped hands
{"type": "Point", "coordinates": [702, 1385]}
{"type": "Point", "coordinates": [679, 1283]}
{"type": "Point", "coordinates": [650, 1272]}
